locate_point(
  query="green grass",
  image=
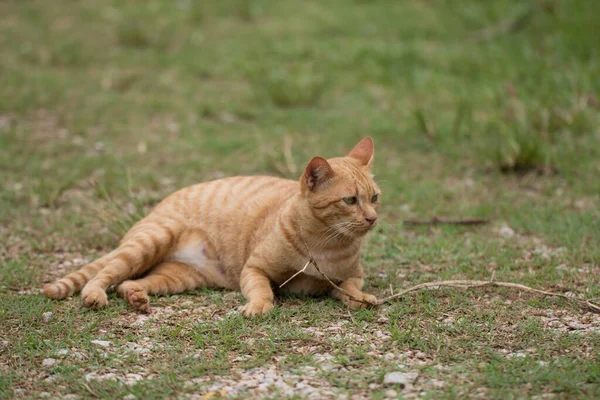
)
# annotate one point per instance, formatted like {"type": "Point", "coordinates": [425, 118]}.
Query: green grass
{"type": "Point", "coordinates": [107, 107]}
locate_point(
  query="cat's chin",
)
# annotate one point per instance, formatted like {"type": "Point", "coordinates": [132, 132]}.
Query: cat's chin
{"type": "Point", "coordinates": [362, 231]}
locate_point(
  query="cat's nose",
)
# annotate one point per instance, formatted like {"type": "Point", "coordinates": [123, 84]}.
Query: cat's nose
{"type": "Point", "coordinates": [371, 220]}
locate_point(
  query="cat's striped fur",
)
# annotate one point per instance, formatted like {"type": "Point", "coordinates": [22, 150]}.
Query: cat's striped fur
{"type": "Point", "coordinates": [244, 233]}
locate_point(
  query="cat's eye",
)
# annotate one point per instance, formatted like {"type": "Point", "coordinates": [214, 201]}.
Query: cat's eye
{"type": "Point", "coordinates": [375, 198]}
{"type": "Point", "coordinates": [350, 200]}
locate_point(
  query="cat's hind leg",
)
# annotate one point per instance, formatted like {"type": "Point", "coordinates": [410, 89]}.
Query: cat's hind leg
{"type": "Point", "coordinates": [192, 264]}
{"type": "Point", "coordinates": [148, 243]}
{"type": "Point", "coordinates": [169, 277]}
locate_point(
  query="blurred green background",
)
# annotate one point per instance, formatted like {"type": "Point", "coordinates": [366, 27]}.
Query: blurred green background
{"type": "Point", "coordinates": [149, 96]}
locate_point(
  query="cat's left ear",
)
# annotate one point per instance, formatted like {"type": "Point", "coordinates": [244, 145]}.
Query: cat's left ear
{"type": "Point", "coordinates": [363, 151]}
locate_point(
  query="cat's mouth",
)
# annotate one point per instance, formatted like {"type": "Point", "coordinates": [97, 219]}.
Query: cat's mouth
{"type": "Point", "coordinates": [364, 228]}
{"type": "Point", "coordinates": [370, 227]}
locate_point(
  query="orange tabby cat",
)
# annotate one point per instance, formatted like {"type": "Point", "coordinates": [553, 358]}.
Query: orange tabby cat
{"type": "Point", "coordinates": [245, 233]}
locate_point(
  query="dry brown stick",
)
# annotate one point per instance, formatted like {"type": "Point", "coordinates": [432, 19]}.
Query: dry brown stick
{"type": "Point", "coordinates": [296, 274]}
{"type": "Point", "coordinates": [449, 221]}
{"type": "Point", "coordinates": [476, 284]}
{"type": "Point", "coordinates": [505, 26]}
{"type": "Point", "coordinates": [466, 284]}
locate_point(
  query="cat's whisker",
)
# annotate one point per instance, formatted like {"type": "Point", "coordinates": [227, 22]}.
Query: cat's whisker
{"type": "Point", "coordinates": [384, 226]}
{"type": "Point", "coordinates": [349, 228]}
{"type": "Point", "coordinates": [336, 232]}
{"type": "Point", "coordinates": [329, 229]}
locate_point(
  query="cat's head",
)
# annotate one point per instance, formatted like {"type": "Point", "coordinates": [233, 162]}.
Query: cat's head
{"type": "Point", "coordinates": [341, 192]}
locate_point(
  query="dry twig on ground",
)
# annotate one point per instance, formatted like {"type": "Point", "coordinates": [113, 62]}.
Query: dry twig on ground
{"type": "Point", "coordinates": [465, 284]}
{"type": "Point", "coordinates": [449, 221]}
{"type": "Point", "coordinates": [468, 284]}
{"type": "Point", "coordinates": [506, 26]}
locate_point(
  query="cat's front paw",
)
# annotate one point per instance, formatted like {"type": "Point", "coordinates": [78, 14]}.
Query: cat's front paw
{"type": "Point", "coordinates": [363, 297]}
{"type": "Point", "coordinates": [255, 308]}
{"type": "Point", "coordinates": [94, 298]}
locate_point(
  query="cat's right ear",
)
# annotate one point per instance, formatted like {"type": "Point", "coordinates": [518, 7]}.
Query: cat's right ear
{"type": "Point", "coordinates": [317, 172]}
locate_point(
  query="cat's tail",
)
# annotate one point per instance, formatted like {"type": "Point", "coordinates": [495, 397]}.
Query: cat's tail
{"type": "Point", "coordinates": [75, 281]}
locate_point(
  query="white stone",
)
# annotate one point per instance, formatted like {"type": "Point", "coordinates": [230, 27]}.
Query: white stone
{"type": "Point", "coordinates": [506, 232]}
{"type": "Point", "coordinates": [95, 376]}
{"type": "Point", "coordinates": [47, 316]}
{"type": "Point", "coordinates": [102, 343]}
{"type": "Point", "coordinates": [48, 362]}
{"type": "Point", "coordinates": [400, 378]}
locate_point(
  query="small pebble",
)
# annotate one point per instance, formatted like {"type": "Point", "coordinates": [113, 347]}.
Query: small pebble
{"type": "Point", "coordinates": [103, 343]}
{"type": "Point", "coordinates": [48, 362]}
{"type": "Point", "coordinates": [400, 378]}
{"type": "Point", "coordinates": [47, 316]}
{"type": "Point", "coordinates": [506, 232]}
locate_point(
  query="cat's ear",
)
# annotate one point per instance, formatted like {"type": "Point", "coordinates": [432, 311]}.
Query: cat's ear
{"type": "Point", "coordinates": [318, 171]}
{"type": "Point", "coordinates": [363, 151]}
